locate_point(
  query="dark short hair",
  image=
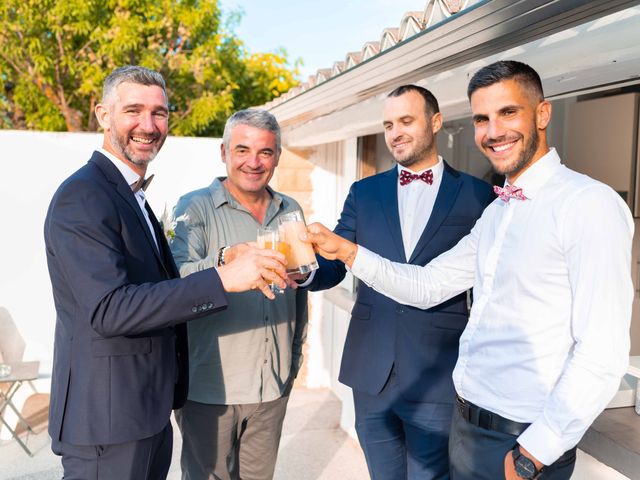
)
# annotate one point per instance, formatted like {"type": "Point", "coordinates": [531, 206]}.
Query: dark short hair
{"type": "Point", "coordinates": [430, 101]}
{"type": "Point", "coordinates": [132, 74]}
{"type": "Point", "coordinates": [254, 117]}
{"type": "Point", "coordinates": [507, 70]}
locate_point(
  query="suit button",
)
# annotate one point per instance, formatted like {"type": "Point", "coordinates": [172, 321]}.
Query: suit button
{"type": "Point", "coordinates": [210, 305]}
{"type": "Point", "coordinates": [400, 310]}
{"type": "Point", "coordinates": [194, 309]}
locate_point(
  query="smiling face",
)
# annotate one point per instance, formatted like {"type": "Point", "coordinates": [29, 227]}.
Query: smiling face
{"type": "Point", "coordinates": [510, 126]}
{"type": "Point", "coordinates": [408, 133]}
{"type": "Point", "coordinates": [251, 159]}
{"type": "Point", "coordinates": [135, 119]}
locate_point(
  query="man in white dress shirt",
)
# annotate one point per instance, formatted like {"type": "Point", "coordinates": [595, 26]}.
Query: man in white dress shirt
{"type": "Point", "coordinates": [549, 261]}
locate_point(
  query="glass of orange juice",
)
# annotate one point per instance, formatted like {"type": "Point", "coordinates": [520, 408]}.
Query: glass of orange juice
{"type": "Point", "coordinates": [269, 239]}
{"type": "Point", "coordinates": [300, 255]}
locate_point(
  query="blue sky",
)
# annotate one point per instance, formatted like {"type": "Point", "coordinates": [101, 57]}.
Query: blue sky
{"type": "Point", "coordinates": [318, 31]}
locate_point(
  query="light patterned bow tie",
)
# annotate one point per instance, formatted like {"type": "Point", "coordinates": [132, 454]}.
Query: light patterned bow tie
{"type": "Point", "coordinates": [142, 184]}
{"type": "Point", "coordinates": [407, 177]}
{"type": "Point", "coordinates": [509, 192]}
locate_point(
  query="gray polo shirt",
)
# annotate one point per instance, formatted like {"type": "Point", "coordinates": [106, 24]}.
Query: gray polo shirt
{"type": "Point", "coordinates": [249, 352]}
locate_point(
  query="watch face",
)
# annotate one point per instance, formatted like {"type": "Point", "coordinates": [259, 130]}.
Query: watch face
{"type": "Point", "coordinates": [525, 468]}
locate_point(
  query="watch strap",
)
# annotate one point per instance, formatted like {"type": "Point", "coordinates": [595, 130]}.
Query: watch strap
{"type": "Point", "coordinates": [525, 468]}
{"type": "Point", "coordinates": [221, 252]}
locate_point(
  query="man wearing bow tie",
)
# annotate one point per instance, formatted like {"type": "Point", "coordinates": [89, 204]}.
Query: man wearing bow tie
{"type": "Point", "coordinates": [120, 355]}
{"type": "Point", "coordinates": [398, 359]}
{"type": "Point", "coordinates": [549, 262]}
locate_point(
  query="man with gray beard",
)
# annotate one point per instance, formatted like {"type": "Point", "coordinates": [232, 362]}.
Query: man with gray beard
{"type": "Point", "coordinates": [397, 359]}
{"type": "Point", "coordinates": [120, 355]}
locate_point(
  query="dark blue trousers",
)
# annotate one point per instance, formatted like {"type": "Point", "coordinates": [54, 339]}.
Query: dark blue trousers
{"type": "Point", "coordinates": [146, 459]}
{"type": "Point", "coordinates": [402, 439]}
{"type": "Point", "coordinates": [478, 454]}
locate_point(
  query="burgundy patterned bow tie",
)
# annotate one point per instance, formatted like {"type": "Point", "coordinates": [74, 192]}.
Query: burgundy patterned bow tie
{"type": "Point", "coordinates": [407, 177]}
{"type": "Point", "coordinates": [509, 192]}
{"type": "Point", "coordinates": [142, 184]}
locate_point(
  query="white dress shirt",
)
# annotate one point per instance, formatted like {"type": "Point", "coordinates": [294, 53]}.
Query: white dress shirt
{"type": "Point", "coordinates": [132, 177]}
{"type": "Point", "coordinates": [548, 336]}
{"type": "Point", "coordinates": [415, 204]}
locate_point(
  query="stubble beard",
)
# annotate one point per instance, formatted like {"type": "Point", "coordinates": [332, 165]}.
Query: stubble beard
{"type": "Point", "coordinates": [422, 151]}
{"type": "Point", "coordinates": [523, 160]}
{"type": "Point", "coordinates": [120, 143]}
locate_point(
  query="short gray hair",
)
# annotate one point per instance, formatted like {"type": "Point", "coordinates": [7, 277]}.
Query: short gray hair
{"type": "Point", "coordinates": [132, 74]}
{"type": "Point", "coordinates": [254, 117]}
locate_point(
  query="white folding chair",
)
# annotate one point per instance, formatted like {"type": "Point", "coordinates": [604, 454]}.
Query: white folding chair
{"type": "Point", "coordinates": [12, 344]}
{"type": "Point", "coordinates": [12, 347]}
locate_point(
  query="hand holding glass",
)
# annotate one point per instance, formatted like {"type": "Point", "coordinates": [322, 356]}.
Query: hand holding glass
{"type": "Point", "coordinates": [269, 239]}
{"type": "Point", "coordinates": [300, 256]}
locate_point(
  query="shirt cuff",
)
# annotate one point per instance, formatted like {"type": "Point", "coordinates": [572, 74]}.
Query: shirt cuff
{"type": "Point", "coordinates": [543, 443]}
{"type": "Point", "coordinates": [308, 281]}
{"type": "Point", "coordinates": [365, 266]}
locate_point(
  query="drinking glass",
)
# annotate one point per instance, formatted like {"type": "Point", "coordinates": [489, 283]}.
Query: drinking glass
{"type": "Point", "coordinates": [269, 239]}
{"type": "Point", "coordinates": [300, 256]}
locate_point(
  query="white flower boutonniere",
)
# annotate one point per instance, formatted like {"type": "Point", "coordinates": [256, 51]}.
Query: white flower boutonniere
{"type": "Point", "coordinates": [168, 224]}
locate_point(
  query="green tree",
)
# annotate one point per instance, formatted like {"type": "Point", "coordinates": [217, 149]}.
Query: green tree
{"type": "Point", "coordinates": [55, 54]}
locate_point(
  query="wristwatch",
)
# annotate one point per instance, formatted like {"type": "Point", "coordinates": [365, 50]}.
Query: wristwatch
{"type": "Point", "coordinates": [525, 468]}
{"type": "Point", "coordinates": [221, 253]}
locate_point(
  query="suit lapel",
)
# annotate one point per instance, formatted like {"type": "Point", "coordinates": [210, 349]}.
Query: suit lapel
{"type": "Point", "coordinates": [115, 177]}
{"type": "Point", "coordinates": [388, 188]}
{"type": "Point", "coordinates": [447, 194]}
{"type": "Point", "coordinates": [165, 252]}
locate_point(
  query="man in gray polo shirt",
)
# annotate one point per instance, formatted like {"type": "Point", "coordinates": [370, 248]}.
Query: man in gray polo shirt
{"type": "Point", "coordinates": [242, 362]}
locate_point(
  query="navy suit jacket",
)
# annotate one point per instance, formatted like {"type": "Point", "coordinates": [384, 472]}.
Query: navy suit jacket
{"type": "Point", "coordinates": [423, 344]}
{"type": "Point", "coordinates": [120, 353]}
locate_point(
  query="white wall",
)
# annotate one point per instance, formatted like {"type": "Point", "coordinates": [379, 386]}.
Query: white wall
{"type": "Point", "coordinates": [32, 165]}
{"type": "Point", "coordinates": [336, 169]}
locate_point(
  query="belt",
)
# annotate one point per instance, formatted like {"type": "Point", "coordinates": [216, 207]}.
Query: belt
{"type": "Point", "coordinates": [488, 420]}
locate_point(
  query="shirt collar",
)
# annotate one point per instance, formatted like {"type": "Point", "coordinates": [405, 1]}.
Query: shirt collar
{"type": "Point", "coordinates": [436, 169]}
{"type": "Point", "coordinates": [127, 172]}
{"type": "Point", "coordinates": [534, 177]}
{"type": "Point", "coordinates": [221, 195]}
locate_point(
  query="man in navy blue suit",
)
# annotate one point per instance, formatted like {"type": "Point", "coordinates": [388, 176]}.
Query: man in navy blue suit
{"type": "Point", "coordinates": [120, 355]}
{"type": "Point", "coordinates": [398, 359]}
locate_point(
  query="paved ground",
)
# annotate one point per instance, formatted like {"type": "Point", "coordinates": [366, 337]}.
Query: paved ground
{"type": "Point", "coordinates": [313, 447]}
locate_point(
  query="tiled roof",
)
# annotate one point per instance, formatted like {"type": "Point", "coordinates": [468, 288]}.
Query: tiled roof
{"type": "Point", "coordinates": [411, 24]}
{"type": "Point", "coordinates": [389, 38]}
{"type": "Point", "coordinates": [338, 67]}
{"type": "Point", "coordinates": [369, 49]}
{"type": "Point", "coordinates": [352, 59]}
